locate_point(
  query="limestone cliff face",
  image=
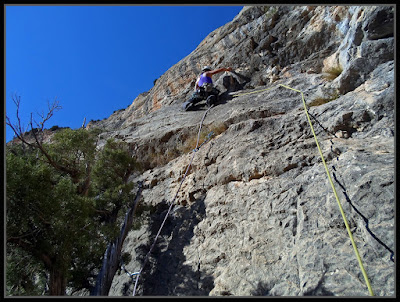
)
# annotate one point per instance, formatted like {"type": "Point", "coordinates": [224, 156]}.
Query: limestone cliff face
{"type": "Point", "coordinates": [256, 214]}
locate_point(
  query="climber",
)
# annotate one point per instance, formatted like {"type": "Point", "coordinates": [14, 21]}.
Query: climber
{"type": "Point", "coordinates": [204, 88]}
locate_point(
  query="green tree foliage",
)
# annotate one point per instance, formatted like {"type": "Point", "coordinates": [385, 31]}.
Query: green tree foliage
{"type": "Point", "coordinates": [63, 207]}
{"type": "Point", "coordinates": [110, 184]}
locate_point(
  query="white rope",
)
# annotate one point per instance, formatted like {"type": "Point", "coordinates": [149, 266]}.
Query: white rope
{"type": "Point", "coordinates": [172, 202]}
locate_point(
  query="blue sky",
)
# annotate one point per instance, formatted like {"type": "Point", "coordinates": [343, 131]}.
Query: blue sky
{"type": "Point", "coordinates": [96, 59]}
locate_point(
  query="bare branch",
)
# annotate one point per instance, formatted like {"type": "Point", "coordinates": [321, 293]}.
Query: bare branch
{"type": "Point", "coordinates": [52, 108]}
{"type": "Point", "coordinates": [34, 130]}
{"type": "Point", "coordinates": [17, 129]}
{"type": "Point", "coordinates": [15, 238]}
{"type": "Point", "coordinates": [38, 144]}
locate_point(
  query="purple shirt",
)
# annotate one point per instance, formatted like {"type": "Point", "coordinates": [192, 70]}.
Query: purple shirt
{"type": "Point", "coordinates": [203, 79]}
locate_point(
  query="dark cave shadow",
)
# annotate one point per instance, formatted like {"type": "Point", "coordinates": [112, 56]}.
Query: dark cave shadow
{"type": "Point", "coordinates": [165, 274]}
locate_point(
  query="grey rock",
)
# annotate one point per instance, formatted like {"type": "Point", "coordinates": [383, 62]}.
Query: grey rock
{"type": "Point", "coordinates": [380, 24]}
{"type": "Point", "coordinates": [256, 214]}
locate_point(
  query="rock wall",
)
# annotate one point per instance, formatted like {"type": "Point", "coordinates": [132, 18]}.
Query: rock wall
{"type": "Point", "coordinates": [256, 214]}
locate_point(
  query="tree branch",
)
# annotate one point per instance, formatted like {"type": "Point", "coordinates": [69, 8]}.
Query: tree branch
{"type": "Point", "coordinates": [38, 142]}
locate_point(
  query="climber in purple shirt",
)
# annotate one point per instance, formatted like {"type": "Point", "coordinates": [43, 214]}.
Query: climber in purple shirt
{"type": "Point", "coordinates": [204, 89]}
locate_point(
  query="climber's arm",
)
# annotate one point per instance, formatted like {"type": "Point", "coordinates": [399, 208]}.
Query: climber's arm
{"type": "Point", "coordinates": [215, 71]}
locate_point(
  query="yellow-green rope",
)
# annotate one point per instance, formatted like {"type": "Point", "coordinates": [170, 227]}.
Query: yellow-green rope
{"type": "Point", "coordinates": [331, 182]}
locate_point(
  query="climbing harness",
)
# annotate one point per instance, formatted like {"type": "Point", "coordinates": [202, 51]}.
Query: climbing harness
{"type": "Point", "coordinates": [172, 202]}
{"type": "Point", "coordinates": [330, 181]}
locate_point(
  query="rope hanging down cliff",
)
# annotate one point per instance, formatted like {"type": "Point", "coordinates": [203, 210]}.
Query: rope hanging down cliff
{"type": "Point", "coordinates": [172, 202]}
{"type": "Point", "coordinates": [366, 222]}
{"type": "Point", "coordinates": [326, 169]}
{"type": "Point", "coordinates": [330, 181]}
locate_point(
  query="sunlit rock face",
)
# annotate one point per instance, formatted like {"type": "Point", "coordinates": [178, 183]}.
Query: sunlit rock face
{"type": "Point", "coordinates": [256, 214]}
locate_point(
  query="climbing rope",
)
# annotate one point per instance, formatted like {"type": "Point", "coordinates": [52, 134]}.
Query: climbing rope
{"type": "Point", "coordinates": [137, 274]}
{"type": "Point", "coordinates": [366, 222]}
{"type": "Point", "coordinates": [257, 91]}
{"type": "Point", "coordinates": [365, 219]}
{"type": "Point", "coordinates": [172, 202]}
{"type": "Point", "coordinates": [330, 181]}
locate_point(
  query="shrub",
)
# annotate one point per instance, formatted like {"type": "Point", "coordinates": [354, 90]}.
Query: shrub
{"type": "Point", "coordinates": [54, 128]}
{"type": "Point", "coordinates": [333, 72]}
{"type": "Point", "coordinates": [162, 154]}
{"type": "Point", "coordinates": [320, 101]}
{"type": "Point", "coordinates": [190, 143]}
{"type": "Point", "coordinates": [74, 197]}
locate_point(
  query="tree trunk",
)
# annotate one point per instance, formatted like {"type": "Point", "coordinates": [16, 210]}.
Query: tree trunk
{"type": "Point", "coordinates": [112, 255]}
{"type": "Point", "coordinates": [58, 282]}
